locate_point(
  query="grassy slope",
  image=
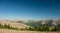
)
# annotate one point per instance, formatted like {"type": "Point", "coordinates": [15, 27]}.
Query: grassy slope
{"type": "Point", "coordinates": [17, 31]}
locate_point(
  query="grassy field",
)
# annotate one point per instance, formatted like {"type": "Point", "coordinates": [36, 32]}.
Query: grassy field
{"type": "Point", "coordinates": [17, 31]}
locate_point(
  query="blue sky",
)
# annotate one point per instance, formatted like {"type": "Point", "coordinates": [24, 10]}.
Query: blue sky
{"type": "Point", "coordinates": [29, 9]}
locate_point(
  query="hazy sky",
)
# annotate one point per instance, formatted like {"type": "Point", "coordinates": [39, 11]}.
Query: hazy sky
{"type": "Point", "coordinates": [29, 9]}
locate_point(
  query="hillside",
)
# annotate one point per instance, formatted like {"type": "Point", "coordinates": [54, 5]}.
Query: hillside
{"type": "Point", "coordinates": [13, 24]}
{"type": "Point", "coordinates": [46, 25]}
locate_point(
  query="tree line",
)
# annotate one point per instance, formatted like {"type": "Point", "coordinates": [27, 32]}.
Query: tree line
{"type": "Point", "coordinates": [41, 28]}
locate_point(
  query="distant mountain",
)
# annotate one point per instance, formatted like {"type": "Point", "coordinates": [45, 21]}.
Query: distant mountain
{"type": "Point", "coordinates": [42, 22]}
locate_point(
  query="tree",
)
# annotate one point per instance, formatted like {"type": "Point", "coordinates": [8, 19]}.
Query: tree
{"type": "Point", "coordinates": [1, 26]}
{"type": "Point", "coordinates": [8, 26]}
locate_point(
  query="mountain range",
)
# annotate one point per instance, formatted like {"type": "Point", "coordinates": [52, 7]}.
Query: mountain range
{"type": "Point", "coordinates": [37, 23]}
{"type": "Point", "coordinates": [30, 23]}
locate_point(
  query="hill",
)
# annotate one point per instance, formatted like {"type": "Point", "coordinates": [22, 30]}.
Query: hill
{"type": "Point", "coordinates": [13, 24]}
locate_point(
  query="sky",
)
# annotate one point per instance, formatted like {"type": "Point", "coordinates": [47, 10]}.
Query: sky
{"type": "Point", "coordinates": [29, 9]}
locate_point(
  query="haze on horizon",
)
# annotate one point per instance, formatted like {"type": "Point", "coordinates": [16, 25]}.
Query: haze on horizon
{"type": "Point", "coordinates": [29, 9]}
